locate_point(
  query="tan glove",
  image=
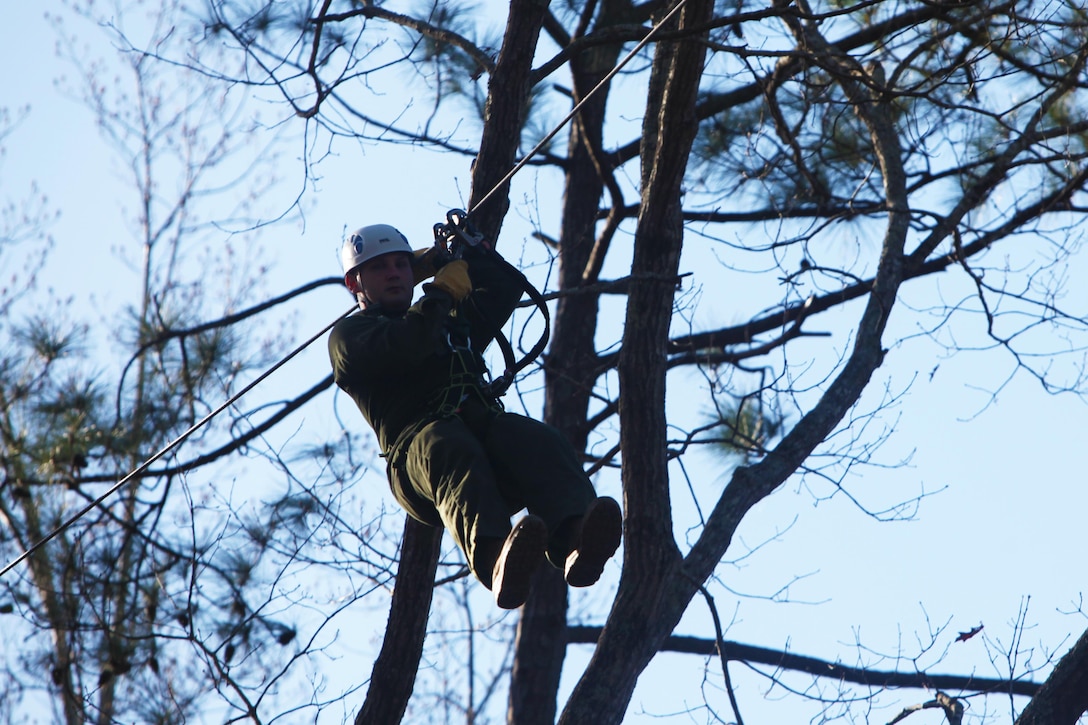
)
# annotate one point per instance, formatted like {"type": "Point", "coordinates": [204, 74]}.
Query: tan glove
{"type": "Point", "coordinates": [426, 262]}
{"type": "Point", "coordinates": [453, 280]}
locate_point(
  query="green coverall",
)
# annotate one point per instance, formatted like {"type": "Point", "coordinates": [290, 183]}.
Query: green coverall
{"type": "Point", "coordinates": [454, 457]}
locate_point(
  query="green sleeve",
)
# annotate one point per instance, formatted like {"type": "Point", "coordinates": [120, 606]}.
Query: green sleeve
{"type": "Point", "coordinates": [495, 294]}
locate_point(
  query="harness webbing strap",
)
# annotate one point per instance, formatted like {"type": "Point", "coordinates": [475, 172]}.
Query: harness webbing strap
{"type": "Point", "coordinates": [452, 237]}
{"type": "Point", "coordinates": [463, 383]}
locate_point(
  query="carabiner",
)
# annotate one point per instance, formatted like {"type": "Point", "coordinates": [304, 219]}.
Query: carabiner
{"type": "Point", "coordinates": [457, 231]}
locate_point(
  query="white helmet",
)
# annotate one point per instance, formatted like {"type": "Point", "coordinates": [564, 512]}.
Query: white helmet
{"type": "Point", "coordinates": [365, 243]}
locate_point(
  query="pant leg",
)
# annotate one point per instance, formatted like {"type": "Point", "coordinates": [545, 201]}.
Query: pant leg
{"type": "Point", "coordinates": [447, 465]}
{"type": "Point", "coordinates": [538, 467]}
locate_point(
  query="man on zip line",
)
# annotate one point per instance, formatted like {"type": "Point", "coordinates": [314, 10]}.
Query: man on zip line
{"type": "Point", "coordinates": [454, 457]}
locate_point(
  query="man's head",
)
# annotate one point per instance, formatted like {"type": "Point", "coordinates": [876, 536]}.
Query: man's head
{"type": "Point", "coordinates": [377, 262]}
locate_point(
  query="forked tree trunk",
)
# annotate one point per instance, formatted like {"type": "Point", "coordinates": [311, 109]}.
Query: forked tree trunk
{"type": "Point", "coordinates": [639, 622]}
{"type": "Point", "coordinates": [570, 376]}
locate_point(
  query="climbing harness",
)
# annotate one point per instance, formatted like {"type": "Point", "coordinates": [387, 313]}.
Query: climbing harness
{"type": "Point", "coordinates": [455, 233]}
{"type": "Point", "coordinates": [452, 237]}
{"type": "Point", "coordinates": [468, 375]}
{"type": "Point", "coordinates": [465, 382]}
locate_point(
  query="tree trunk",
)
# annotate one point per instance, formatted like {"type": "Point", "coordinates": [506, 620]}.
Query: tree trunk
{"type": "Point", "coordinates": [504, 115]}
{"type": "Point", "coordinates": [642, 617]}
{"type": "Point", "coordinates": [570, 371]}
{"type": "Point", "coordinates": [539, 651]}
{"type": "Point", "coordinates": [1063, 698]}
{"type": "Point", "coordinates": [394, 673]}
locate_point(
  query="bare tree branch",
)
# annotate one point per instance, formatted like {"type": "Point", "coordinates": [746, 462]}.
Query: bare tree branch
{"type": "Point", "coordinates": [868, 677]}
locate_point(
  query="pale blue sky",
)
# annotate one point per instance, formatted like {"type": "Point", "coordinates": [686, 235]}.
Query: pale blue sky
{"type": "Point", "coordinates": [1007, 524]}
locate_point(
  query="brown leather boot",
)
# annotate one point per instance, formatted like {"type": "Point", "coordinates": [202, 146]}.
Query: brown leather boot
{"type": "Point", "coordinates": [602, 527]}
{"type": "Point", "coordinates": [521, 554]}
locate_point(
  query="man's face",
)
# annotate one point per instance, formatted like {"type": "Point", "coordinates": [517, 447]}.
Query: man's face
{"type": "Point", "coordinates": [385, 280]}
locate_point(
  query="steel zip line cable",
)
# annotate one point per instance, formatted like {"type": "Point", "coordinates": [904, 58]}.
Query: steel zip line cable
{"type": "Point", "coordinates": [578, 106]}
{"type": "Point", "coordinates": [234, 398]}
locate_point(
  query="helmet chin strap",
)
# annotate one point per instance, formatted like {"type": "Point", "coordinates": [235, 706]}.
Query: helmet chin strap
{"type": "Point", "coordinates": [356, 288]}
